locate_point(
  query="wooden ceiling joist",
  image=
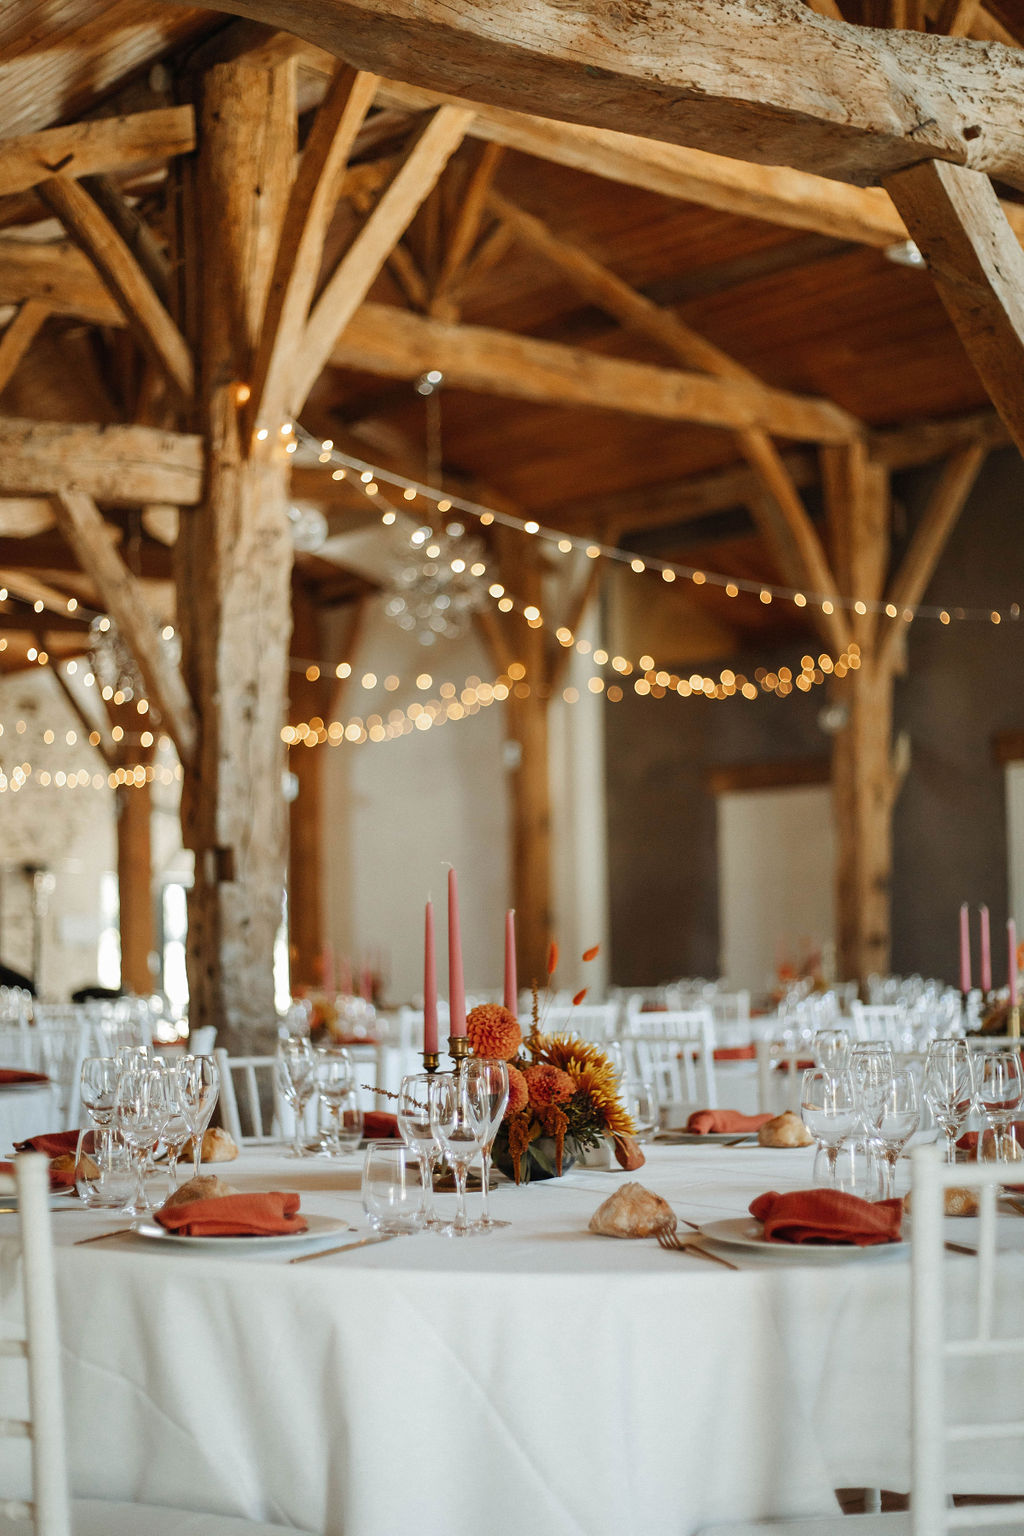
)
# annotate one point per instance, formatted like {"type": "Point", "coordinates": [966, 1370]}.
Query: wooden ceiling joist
{"type": "Point", "coordinates": [125, 466]}
{"type": "Point", "coordinates": [19, 336]}
{"type": "Point", "coordinates": [58, 275]}
{"type": "Point", "coordinates": [767, 81]}
{"type": "Point", "coordinates": [99, 145]}
{"type": "Point", "coordinates": [386, 340]}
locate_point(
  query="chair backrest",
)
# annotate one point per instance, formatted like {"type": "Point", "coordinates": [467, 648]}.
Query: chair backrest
{"type": "Point", "coordinates": [676, 1052]}
{"type": "Point", "coordinates": [587, 1021]}
{"type": "Point", "coordinates": [780, 1070]}
{"type": "Point", "coordinates": [883, 1021]}
{"type": "Point", "coordinates": [967, 1352]}
{"type": "Point", "coordinates": [32, 1336]}
{"type": "Point", "coordinates": [64, 1038]}
{"type": "Point", "coordinates": [240, 1077]}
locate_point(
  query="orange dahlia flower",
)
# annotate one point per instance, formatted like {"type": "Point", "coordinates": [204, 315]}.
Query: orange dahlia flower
{"type": "Point", "coordinates": [493, 1031]}
{"type": "Point", "coordinates": [548, 1085]}
{"type": "Point", "coordinates": [518, 1093]}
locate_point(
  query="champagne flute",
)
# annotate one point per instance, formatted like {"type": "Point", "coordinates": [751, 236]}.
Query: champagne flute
{"type": "Point", "coordinates": [949, 1088]}
{"type": "Point", "coordinates": [828, 1108]}
{"type": "Point", "coordinates": [334, 1084]}
{"type": "Point", "coordinates": [1000, 1091]}
{"type": "Point", "coordinates": [176, 1124]}
{"type": "Point", "coordinates": [295, 1074]}
{"type": "Point", "coordinates": [873, 1064]}
{"type": "Point", "coordinates": [140, 1115]}
{"type": "Point", "coordinates": [460, 1119]}
{"type": "Point", "coordinates": [898, 1114]}
{"type": "Point", "coordinates": [493, 1079]}
{"type": "Point", "coordinates": [417, 1133]}
{"type": "Point", "coordinates": [199, 1083]}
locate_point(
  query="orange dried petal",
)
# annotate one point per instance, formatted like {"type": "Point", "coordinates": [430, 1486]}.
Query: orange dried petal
{"type": "Point", "coordinates": [552, 958]}
{"type": "Point", "coordinates": [579, 997]}
{"type": "Point", "coordinates": [591, 954]}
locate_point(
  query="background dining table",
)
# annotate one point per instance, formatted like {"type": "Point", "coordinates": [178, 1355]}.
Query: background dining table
{"type": "Point", "coordinates": [537, 1378]}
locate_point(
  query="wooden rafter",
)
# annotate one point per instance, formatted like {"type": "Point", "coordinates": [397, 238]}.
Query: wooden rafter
{"type": "Point", "coordinates": [19, 336]}
{"type": "Point", "coordinates": [31, 590]}
{"type": "Point", "coordinates": [149, 320]}
{"type": "Point", "coordinates": [978, 267]}
{"type": "Point", "coordinates": [930, 538]}
{"type": "Point", "coordinates": [386, 340]}
{"type": "Point", "coordinates": [107, 748]}
{"type": "Point", "coordinates": [58, 275]}
{"type": "Point", "coordinates": [82, 524]}
{"type": "Point", "coordinates": [99, 145]}
{"type": "Point", "coordinates": [779, 510]}
{"type": "Point", "coordinates": [125, 466]}
{"type": "Point", "coordinates": [467, 225]}
{"type": "Point", "coordinates": [767, 81]}
{"type": "Point", "coordinates": [352, 277]}
{"type": "Point", "coordinates": [311, 204]}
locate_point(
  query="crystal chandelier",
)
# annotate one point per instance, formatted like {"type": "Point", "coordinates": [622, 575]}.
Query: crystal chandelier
{"type": "Point", "coordinates": [436, 583]}
{"type": "Point", "coordinates": [113, 663]}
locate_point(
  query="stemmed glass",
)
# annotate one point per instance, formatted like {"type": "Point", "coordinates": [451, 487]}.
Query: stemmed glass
{"type": "Point", "coordinates": [140, 1111]}
{"type": "Point", "coordinates": [493, 1078]}
{"type": "Point", "coordinates": [460, 1118]}
{"type": "Point", "coordinates": [896, 1111]}
{"type": "Point", "coordinates": [828, 1107]}
{"type": "Point", "coordinates": [98, 1088]}
{"type": "Point", "coordinates": [295, 1071]}
{"type": "Point", "coordinates": [949, 1088]}
{"type": "Point", "coordinates": [414, 1124]}
{"type": "Point", "coordinates": [335, 1086]}
{"type": "Point", "coordinates": [872, 1063]}
{"type": "Point", "coordinates": [199, 1088]}
{"type": "Point", "coordinates": [641, 1103]}
{"type": "Point", "coordinates": [176, 1125]}
{"type": "Point", "coordinates": [1000, 1091]}
{"type": "Point", "coordinates": [831, 1048]}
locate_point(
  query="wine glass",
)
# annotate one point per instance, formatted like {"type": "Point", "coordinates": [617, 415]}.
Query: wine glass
{"type": "Point", "coordinates": [641, 1105]}
{"type": "Point", "coordinates": [872, 1063]}
{"type": "Point", "coordinates": [831, 1049]}
{"type": "Point", "coordinates": [176, 1125]}
{"type": "Point", "coordinates": [98, 1085]}
{"type": "Point", "coordinates": [460, 1117]}
{"type": "Point", "coordinates": [1000, 1080]}
{"type": "Point", "coordinates": [828, 1108]}
{"type": "Point", "coordinates": [335, 1086]}
{"type": "Point", "coordinates": [897, 1112]}
{"type": "Point", "coordinates": [493, 1077]}
{"type": "Point", "coordinates": [295, 1073]}
{"type": "Point", "coordinates": [199, 1087]}
{"type": "Point", "coordinates": [414, 1125]}
{"type": "Point", "coordinates": [949, 1088]}
{"type": "Point", "coordinates": [139, 1112]}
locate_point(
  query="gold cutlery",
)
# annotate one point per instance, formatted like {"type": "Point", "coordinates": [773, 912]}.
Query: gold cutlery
{"type": "Point", "coordinates": [961, 1248]}
{"type": "Point", "coordinates": [325, 1253]}
{"type": "Point", "coordinates": [99, 1236]}
{"type": "Point", "coordinates": [670, 1241]}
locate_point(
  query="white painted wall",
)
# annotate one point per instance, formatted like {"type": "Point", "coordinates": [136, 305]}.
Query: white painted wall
{"type": "Point", "coordinates": [776, 879]}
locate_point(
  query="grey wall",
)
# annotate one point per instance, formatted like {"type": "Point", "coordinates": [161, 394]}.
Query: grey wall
{"type": "Point", "coordinates": [964, 683]}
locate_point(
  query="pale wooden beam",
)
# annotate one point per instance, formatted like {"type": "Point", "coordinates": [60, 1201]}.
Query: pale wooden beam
{"type": "Point", "coordinates": [467, 225]}
{"type": "Point", "coordinates": [957, 17]}
{"type": "Point", "coordinates": [313, 197]}
{"type": "Point", "coordinates": [770, 81]}
{"type": "Point", "coordinates": [955, 217]}
{"type": "Point", "coordinates": [931, 535]}
{"type": "Point", "coordinates": [383, 339]}
{"type": "Point", "coordinates": [57, 275]}
{"type": "Point", "coordinates": [780, 513]}
{"type": "Point", "coordinates": [150, 322]}
{"type": "Point", "coordinates": [19, 336]}
{"type": "Point", "coordinates": [98, 145]}
{"type": "Point", "coordinates": [82, 524]}
{"type": "Point", "coordinates": [31, 590]}
{"type": "Point", "coordinates": [125, 466]}
{"type": "Point", "coordinates": [355, 273]}
{"type": "Point", "coordinates": [134, 231]}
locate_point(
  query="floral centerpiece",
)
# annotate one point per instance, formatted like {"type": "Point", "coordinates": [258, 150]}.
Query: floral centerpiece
{"type": "Point", "coordinates": [563, 1093]}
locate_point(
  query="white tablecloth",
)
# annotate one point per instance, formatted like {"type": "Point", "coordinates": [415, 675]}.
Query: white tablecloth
{"type": "Point", "coordinates": [536, 1379]}
{"type": "Point", "coordinates": [26, 1112]}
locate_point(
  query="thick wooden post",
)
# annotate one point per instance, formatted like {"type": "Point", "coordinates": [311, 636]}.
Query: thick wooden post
{"type": "Point", "coordinates": [133, 809]}
{"type": "Point", "coordinates": [308, 698]}
{"type": "Point", "coordinates": [235, 557]}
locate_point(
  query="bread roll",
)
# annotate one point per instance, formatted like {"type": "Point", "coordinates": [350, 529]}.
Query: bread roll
{"type": "Point", "coordinates": [958, 1202]}
{"type": "Point", "coordinates": [206, 1187]}
{"type": "Point", "coordinates": [219, 1146]}
{"type": "Point", "coordinates": [632, 1211]}
{"type": "Point", "coordinates": [786, 1130]}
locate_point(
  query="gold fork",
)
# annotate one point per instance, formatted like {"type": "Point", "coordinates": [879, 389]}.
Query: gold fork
{"type": "Point", "coordinates": [670, 1240]}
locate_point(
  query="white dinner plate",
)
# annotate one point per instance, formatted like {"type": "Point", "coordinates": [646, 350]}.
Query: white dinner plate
{"type": "Point", "coordinates": [10, 1202]}
{"type": "Point", "coordinates": [745, 1232]}
{"type": "Point", "coordinates": [694, 1138]}
{"type": "Point", "coordinates": [317, 1227]}
{"type": "Point", "coordinates": [25, 1087]}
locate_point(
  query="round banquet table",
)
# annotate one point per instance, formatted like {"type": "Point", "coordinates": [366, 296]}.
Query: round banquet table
{"type": "Point", "coordinates": [538, 1378]}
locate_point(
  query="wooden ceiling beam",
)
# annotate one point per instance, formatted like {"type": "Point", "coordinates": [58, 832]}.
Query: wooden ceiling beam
{"type": "Point", "coordinates": [82, 524]}
{"type": "Point", "coordinates": [57, 275]}
{"type": "Point", "coordinates": [98, 145]}
{"type": "Point", "coordinates": [769, 82]}
{"type": "Point", "coordinates": [19, 336]}
{"type": "Point", "coordinates": [31, 590]}
{"type": "Point", "coordinates": [49, 553]}
{"type": "Point", "coordinates": [149, 321]}
{"type": "Point", "coordinates": [978, 268]}
{"type": "Point", "coordinates": [353, 277]}
{"type": "Point", "coordinates": [126, 466]}
{"type": "Point", "coordinates": [386, 340]}
{"type": "Point", "coordinates": [311, 204]}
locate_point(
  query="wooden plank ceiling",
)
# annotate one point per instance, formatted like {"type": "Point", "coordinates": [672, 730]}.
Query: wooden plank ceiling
{"type": "Point", "coordinates": [806, 311]}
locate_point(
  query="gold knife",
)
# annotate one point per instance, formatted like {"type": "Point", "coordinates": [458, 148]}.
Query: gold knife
{"type": "Point", "coordinates": [364, 1242]}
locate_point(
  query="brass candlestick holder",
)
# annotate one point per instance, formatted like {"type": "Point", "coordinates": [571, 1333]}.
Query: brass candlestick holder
{"type": "Point", "coordinates": [1013, 1022]}
{"type": "Point", "coordinates": [458, 1049]}
{"type": "Point", "coordinates": [431, 1061]}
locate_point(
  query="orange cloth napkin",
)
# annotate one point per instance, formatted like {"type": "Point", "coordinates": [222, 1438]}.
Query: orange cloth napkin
{"type": "Point", "coordinates": [53, 1144]}
{"type": "Point", "coordinates": [379, 1126]}
{"type": "Point", "coordinates": [736, 1052]}
{"type": "Point", "coordinates": [257, 1215]}
{"type": "Point", "coordinates": [827, 1216]}
{"type": "Point", "coordinates": [704, 1122]}
{"type": "Point", "coordinates": [16, 1075]}
{"type": "Point", "coordinates": [63, 1178]}
{"type": "Point", "coordinates": [969, 1142]}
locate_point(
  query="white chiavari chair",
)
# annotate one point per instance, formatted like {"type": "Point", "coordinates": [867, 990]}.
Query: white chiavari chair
{"type": "Point", "coordinates": [675, 1052]}
{"type": "Point", "coordinates": [587, 1021]}
{"type": "Point", "coordinates": [34, 1496]}
{"type": "Point", "coordinates": [967, 1382]}
{"type": "Point", "coordinates": [780, 1069]}
{"type": "Point", "coordinates": [251, 1080]}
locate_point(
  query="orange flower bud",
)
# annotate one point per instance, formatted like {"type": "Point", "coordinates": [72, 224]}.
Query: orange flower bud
{"type": "Point", "coordinates": [552, 958]}
{"type": "Point", "coordinates": [579, 997]}
{"type": "Point", "coordinates": [591, 954]}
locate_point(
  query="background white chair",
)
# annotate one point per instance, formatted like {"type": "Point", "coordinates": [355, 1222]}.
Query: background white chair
{"type": "Point", "coordinates": [967, 1382]}
{"type": "Point", "coordinates": [675, 1053]}
{"type": "Point", "coordinates": [34, 1500]}
{"type": "Point", "coordinates": [251, 1080]}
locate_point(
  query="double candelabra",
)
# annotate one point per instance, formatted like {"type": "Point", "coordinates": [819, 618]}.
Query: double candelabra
{"type": "Point", "coordinates": [458, 1049]}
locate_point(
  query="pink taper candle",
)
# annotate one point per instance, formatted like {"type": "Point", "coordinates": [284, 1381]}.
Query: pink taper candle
{"type": "Point", "coordinates": [986, 952]}
{"type": "Point", "coordinates": [456, 985]}
{"type": "Point", "coordinates": [511, 984]}
{"type": "Point", "coordinates": [965, 948]}
{"type": "Point", "coordinates": [1011, 945]}
{"type": "Point", "coordinates": [429, 984]}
